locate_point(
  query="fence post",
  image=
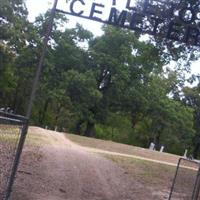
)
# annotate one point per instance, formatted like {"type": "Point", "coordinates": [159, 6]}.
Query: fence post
{"type": "Point", "coordinates": [174, 180]}
{"type": "Point", "coordinates": [16, 160]}
{"type": "Point", "coordinates": [30, 104]}
{"type": "Point", "coordinates": [195, 194]}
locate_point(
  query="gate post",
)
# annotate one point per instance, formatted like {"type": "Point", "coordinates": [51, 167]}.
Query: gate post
{"type": "Point", "coordinates": [16, 160]}
{"type": "Point", "coordinates": [186, 182]}
{"type": "Point", "coordinates": [31, 101]}
{"type": "Point", "coordinates": [174, 180]}
{"type": "Point", "coordinates": [197, 186]}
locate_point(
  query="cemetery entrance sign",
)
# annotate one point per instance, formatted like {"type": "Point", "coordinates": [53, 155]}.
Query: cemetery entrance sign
{"type": "Point", "coordinates": [175, 20]}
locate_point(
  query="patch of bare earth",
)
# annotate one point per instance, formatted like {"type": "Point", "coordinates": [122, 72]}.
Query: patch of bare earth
{"type": "Point", "coordinates": [54, 168]}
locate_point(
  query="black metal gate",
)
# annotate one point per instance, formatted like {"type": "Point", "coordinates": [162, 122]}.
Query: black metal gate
{"type": "Point", "coordinates": [11, 132]}
{"type": "Point", "coordinates": [186, 183]}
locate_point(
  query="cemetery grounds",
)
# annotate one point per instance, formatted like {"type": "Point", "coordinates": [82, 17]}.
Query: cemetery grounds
{"type": "Point", "coordinates": [64, 166]}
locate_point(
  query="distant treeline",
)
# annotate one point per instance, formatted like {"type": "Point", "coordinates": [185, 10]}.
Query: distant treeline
{"type": "Point", "coordinates": [116, 86]}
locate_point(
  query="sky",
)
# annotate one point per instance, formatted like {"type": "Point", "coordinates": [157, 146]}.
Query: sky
{"type": "Point", "coordinates": [36, 7]}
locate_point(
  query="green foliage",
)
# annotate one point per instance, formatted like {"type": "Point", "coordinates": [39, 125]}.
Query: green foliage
{"type": "Point", "coordinates": [113, 86]}
{"type": "Point", "coordinates": [192, 99]}
{"type": "Point", "coordinates": [117, 128]}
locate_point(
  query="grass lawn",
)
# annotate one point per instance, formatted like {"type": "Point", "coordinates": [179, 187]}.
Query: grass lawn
{"type": "Point", "coordinates": [147, 173]}
{"type": "Point", "coordinates": [159, 176]}
{"type": "Point", "coordinates": [155, 176]}
{"type": "Point", "coordinates": [123, 148]}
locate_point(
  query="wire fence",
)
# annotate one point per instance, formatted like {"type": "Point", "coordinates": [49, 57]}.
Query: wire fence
{"type": "Point", "coordinates": [10, 133]}
{"type": "Point", "coordinates": [187, 181]}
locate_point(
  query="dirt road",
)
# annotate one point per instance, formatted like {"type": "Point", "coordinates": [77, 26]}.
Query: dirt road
{"type": "Point", "coordinates": [62, 170]}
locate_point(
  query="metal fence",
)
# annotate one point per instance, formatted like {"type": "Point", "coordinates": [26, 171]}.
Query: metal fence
{"type": "Point", "coordinates": [186, 183]}
{"type": "Point", "coordinates": [11, 127]}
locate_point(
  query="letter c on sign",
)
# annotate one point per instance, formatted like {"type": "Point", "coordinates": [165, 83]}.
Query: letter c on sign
{"type": "Point", "coordinates": [72, 7]}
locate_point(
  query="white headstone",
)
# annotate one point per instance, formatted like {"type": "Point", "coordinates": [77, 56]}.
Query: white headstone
{"type": "Point", "coordinates": [152, 146]}
{"type": "Point", "coordinates": [162, 148]}
{"type": "Point", "coordinates": [185, 153]}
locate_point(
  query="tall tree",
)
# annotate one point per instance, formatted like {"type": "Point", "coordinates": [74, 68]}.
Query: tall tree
{"type": "Point", "coordinates": [192, 98]}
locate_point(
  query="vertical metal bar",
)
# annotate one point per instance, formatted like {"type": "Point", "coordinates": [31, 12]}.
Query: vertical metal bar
{"type": "Point", "coordinates": [30, 104]}
{"type": "Point", "coordinates": [16, 161]}
{"type": "Point", "coordinates": [37, 76]}
{"type": "Point", "coordinates": [195, 193]}
{"type": "Point", "coordinates": [174, 180]}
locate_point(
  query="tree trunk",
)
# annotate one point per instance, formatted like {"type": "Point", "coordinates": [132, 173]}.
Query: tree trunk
{"type": "Point", "coordinates": [196, 150]}
{"type": "Point", "coordinates": [78, 127]}
{"type": "Point", "coordinates": [90, 131]}
{"type": "Point", "coordinates": [157, 141]}
{"type": "Point", "coordinates": [43, 112]}
{"type": "Point", "coordinates": [57, 125]}
{"type": "Point", "coordinates": [15, 103]}
{"type": "Point", "coordinates": [134, 120]}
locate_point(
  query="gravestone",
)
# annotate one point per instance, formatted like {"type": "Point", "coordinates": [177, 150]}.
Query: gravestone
{"type": "Point", "coordinates": [185, 153]}
{"type": "Point", "coordinates": [162, 148]}
{"type": "Point", "coordinates": [152, 146]}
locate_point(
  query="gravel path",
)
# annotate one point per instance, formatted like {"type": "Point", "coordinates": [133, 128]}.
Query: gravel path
{"type": "Point", "coordinates": [62, 170]}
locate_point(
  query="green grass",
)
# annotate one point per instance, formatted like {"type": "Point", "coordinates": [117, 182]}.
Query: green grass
{"type": "Point", "coordinates": [146, 172]}
{"type": "Point", "coordinates": [9, 135]}
{"type": "Point", "coordinates": [122, 148]}
{"type": "Point", "coordinates": [157, 176]}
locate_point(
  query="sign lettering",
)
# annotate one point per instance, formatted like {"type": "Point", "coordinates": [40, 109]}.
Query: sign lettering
{"type": "Point", "coordinates": [168, 19]}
